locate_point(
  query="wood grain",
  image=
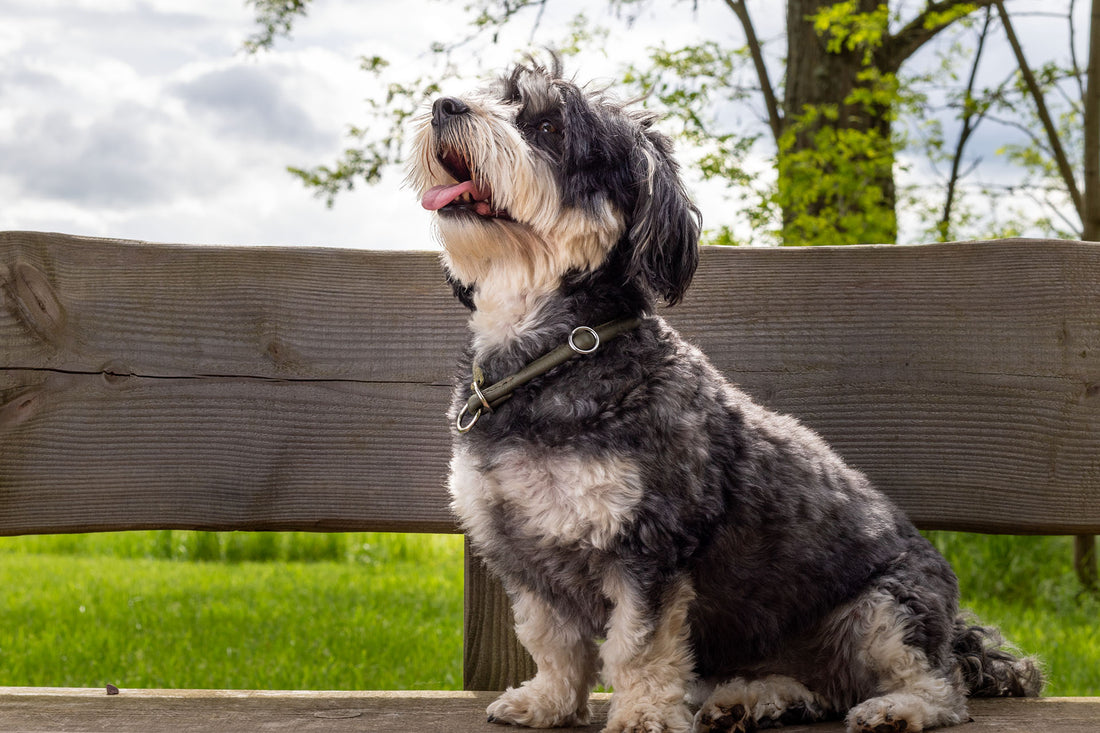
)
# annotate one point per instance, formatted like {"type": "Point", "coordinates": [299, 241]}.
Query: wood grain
{"type": "Point", "coordinates": [259, 312]}
{"type": "Point", "coordinates": [93, 453]}
{"type": "Point", "coordinates": [492, 657]}
{"type": "Point", "coordinates": [222, 388]}
{"type": "Point", "coordinates": [962, 378]}
{"type": "Point", "coordinates": [215, 711]}
{"type": "Point", "coordinates": [281, 388]}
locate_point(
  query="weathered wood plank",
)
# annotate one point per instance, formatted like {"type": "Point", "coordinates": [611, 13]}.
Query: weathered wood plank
{"type": "Point", "coordinates": [963, 378]}
{"type": "Point", "coordinates": [93, 453]}
{"type": "Point", "coordinates": [214, 711]}
{"type": "Point", "coordinates": [492, 657]}
{"type": "Point", "coordinates": [162, 310]}
{"type": "Point", "coordinates": [212, 387]}
{"type": "Point", "coordinates": [222, 388]}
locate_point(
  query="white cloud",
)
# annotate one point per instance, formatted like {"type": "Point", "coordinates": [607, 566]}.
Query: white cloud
{"type": "Point", "coordinates": [145, 120]}
{"type": "Point", "coordinates": [249, 104]}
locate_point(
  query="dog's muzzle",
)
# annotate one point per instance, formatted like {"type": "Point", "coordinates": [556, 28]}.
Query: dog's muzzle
{"type": "Point", "coordinates": [470, 193]}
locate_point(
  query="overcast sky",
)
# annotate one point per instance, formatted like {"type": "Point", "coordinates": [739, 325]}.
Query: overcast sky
{"type": "Point", "coordinates": [144, 119]}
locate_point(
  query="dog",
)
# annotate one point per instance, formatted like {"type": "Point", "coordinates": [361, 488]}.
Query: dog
{"type": "Point", "coordinates": [739, 574]}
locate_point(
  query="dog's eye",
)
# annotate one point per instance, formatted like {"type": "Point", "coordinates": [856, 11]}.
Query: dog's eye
{"type": "Point", "coordinates": [546, 127]}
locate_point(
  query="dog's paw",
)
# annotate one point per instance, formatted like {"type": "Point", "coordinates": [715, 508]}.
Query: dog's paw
{"type": "Point", "coordinates": [532, 707]}
{"type": "Point", "coordinates": [883, 715]}
{"type": "Point", "coordinates": [723, 719]}
{"type": "Point", "coordinates": [740, 706]}
{"type": "Point", "coordinates": [906, 712]}
{"type": "Point", "coordinates": [649, 719]}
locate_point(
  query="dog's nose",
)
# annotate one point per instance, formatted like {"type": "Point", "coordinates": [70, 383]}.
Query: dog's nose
{"type": "Point", "coordinates": [447, 108]}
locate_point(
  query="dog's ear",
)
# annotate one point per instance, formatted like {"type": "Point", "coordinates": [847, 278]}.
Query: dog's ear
{"type": "Point", "coordinates": [621, 156]}
{"type": "Point", "coordinates": [663, 229]}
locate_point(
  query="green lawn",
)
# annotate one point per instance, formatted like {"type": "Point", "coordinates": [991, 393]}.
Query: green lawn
{"type": "Point", "coordinates": [91, 610]}
{"type": "Point", "coordinates": [373, 611]}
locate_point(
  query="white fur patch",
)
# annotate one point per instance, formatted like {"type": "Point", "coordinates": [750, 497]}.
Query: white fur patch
{"type": "Point", "coordinates": [516, 265]}
{"type": "Point", "coordinates": [755, 701]}
{"type": "Point", "coordinates": [557, 498]}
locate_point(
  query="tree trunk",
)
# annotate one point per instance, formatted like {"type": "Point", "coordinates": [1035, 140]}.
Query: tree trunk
{"type": "Point", "coordinates": [1090, 217]}
{"type": "Point", "coordinates": [820, 79]}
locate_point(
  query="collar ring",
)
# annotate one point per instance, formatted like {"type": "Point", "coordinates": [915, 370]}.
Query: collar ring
{"type": "Point", "coordinates": [591, 332]}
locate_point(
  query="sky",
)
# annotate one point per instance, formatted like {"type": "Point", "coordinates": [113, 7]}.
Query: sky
{"type": "Point", "coordinates": [144, 119]}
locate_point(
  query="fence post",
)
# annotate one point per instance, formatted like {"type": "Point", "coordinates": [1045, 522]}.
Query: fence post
{"type": "Point", "coordinates": [492, 657]}
{"type": "Point", "coordinates": [1084, 560]}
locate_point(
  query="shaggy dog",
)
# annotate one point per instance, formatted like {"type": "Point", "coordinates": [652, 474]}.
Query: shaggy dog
{"type": "Point", "coordinates": [623, 490]}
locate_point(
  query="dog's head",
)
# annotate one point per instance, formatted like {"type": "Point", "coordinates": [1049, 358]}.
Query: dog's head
{"type": "Point", "coordinates": [534, 178]}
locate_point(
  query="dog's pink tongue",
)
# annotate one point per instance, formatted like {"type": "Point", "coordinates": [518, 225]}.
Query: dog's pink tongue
{"type": "Point", "coordinates": [439, 196]}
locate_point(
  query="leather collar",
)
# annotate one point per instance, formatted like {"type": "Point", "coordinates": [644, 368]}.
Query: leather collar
{"type": "Point", "coordinates": [582, 340]}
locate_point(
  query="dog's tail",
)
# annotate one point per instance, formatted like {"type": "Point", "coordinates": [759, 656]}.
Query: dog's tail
{"type": "Point", "coordinates": [989, 667]}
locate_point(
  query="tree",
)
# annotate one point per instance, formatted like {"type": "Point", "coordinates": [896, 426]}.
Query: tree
{"type": "Point", "coordinates": [831, 120]}
{"type": "Point", "coordinates": [1050, 151]}
{"type": "Point", "coordinates": [843, 93]}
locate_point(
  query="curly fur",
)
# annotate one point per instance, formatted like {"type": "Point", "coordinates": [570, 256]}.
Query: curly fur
{"type": "Point", "coordinates": [723, 552]}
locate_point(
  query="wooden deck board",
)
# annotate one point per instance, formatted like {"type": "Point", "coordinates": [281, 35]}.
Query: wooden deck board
{"type": "Point", "coordinates": [206, 711]}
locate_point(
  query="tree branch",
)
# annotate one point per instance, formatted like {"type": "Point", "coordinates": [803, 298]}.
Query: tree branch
{"type": "Point", "coordinates": [1073, 49]}
{"type": "Point", "coordinates": [538, 21]}
{"type": "Point", "coordinates": [1064, 167]}
{"type": "Point", "coordinates": [775, 119]}
{"type": "Point", "coordinates": [1038, 140]}
{"type": "Point", "coordinates": [275, 18]}
{"type": "Point", "coordinates": [969, 124]}
{"type": "Point", "coordinates": [898, 47]}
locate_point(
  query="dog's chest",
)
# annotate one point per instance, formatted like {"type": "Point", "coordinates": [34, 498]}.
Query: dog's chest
{"type": "Point", "coordinates": [548, 498]}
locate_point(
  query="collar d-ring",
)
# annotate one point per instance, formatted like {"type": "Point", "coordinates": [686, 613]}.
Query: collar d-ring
{"type": "Point", "coordinates": [588, 332]}
{"type": "Point", "coordinates": [465, 428]}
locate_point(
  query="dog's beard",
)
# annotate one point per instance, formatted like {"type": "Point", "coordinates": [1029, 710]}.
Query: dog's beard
{"type": "Point", "coordinates": [498, 204]}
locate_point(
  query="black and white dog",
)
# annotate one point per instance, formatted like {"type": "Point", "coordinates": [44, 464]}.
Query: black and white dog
{"type": "Point", "coordinates": [728, 558]}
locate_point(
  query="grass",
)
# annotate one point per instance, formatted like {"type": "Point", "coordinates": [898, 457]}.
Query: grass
{"type": "Point", "coordinates": [373, 611]}
{"type": "Point", "coordinates": [336, 611]}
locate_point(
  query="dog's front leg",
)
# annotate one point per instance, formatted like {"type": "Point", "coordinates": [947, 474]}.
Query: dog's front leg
{"type": "Point", "coordinates": [557, 695]}
{"type": "Point", "coordinates": [647, 658]}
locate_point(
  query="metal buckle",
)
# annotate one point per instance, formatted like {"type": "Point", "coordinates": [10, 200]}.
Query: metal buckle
{"type": "Point", "coordinates": [473, 420]}
{"type": "Point", "coordinates": [579, 350]}
{"type": "Point", "coordinates": [466, 408]}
